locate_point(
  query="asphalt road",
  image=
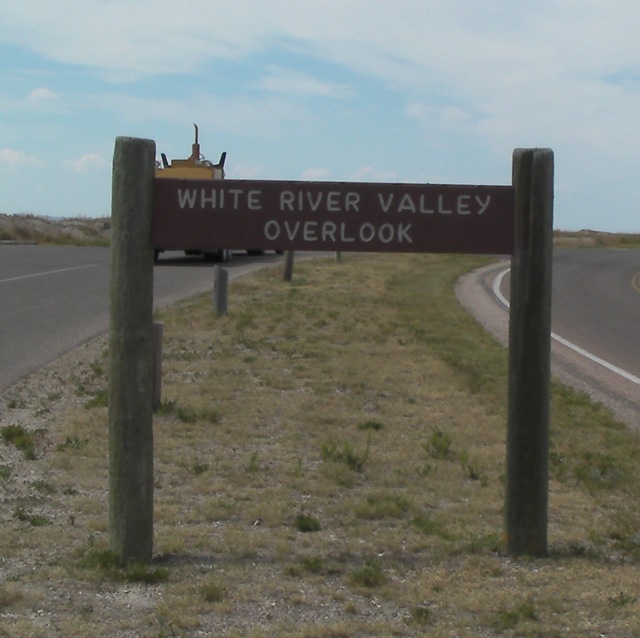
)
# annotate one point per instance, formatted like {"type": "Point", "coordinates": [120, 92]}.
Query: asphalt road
{"type": "Point", "coordinates": [54, 298]}
{"type": "Point", "coordinates": [595, 321]}
{"type": "Point", "coordinates": [596, 303]}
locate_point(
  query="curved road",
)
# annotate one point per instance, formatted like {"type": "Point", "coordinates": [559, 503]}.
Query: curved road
{"type": "Point", "coordinates": [595, 321]}
{"type": "Point", "coordinates": [596, 303]}
{"type": "Point", "coordinates": [55, 298]}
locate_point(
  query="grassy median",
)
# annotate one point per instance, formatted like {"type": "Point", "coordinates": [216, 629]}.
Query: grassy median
{"type": "Point", "coordinates": [330, 462]}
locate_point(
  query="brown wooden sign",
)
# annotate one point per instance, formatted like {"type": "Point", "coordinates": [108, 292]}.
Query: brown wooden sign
{"type": "Point", "coordinates": [332, 216]}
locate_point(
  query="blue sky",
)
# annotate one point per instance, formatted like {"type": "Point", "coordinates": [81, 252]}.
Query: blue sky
{"type": "Point", "coordinates": [437, 91]}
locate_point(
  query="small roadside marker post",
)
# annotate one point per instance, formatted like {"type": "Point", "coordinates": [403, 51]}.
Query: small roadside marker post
{"type": "Point", "coordinates": [529, 354]}
{"type": "Point", "coordinates": [289, 256]}
{"type": "Point", "coordinates": [131, 352]}
{"type": "Point", "coordinates": [220, 290]}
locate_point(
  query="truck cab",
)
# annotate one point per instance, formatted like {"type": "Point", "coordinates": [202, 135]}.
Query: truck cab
{"type": "Point", "coordinates": [195, 167]}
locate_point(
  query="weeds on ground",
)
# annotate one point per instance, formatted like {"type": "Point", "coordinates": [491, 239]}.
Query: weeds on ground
{"type": "Point", "coordinates": [109, 564]}
{"type": "Point", "coordinates": [353, 483]}
{"type": "Point", "coordinates": [21, 438]}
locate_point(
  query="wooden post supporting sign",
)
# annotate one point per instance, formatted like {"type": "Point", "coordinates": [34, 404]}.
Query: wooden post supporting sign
{"type": "Point", "coordinates": [530, 354]}
{"type": "Point", "coordinates": [131, 352]}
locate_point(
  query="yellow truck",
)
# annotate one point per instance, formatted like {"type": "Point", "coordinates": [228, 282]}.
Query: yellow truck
{"type": "Point", "coordinates": [195, 167]}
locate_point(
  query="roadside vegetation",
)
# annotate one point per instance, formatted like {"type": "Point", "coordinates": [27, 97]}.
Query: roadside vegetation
{"type": "Point", "coordinates": [594, 239]}
{"type": "Point", "coordinates": [86, 231]}
{"type": "Point", "coordinates": [76, 231]}
{"type": "Point", "coordinates": [329, 462]}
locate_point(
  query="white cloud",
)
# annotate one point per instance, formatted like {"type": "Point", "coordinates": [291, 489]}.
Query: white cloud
{"type": "Point", "coordinates": [315, 174]}
{"type": "Point", "coordinates": [87, 163]}
{"type": "Point", "coordinates": [399, 40]}
{"type": "Point", "coordinates": [40, 95]}
{"type": "Point", "coordinates": [285, 81]}
{"type": "Point", "coordinates": [16, 159]}
{"type": "Point", "coordinates": [242, 171]}
{"type": "Point", "coordinates": [243, 115]}
{"type": "Point", "coordinates": [371, 174]}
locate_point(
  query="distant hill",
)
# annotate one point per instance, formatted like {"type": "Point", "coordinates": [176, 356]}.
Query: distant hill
{"type": "Point", "coordinates": [49, 230]}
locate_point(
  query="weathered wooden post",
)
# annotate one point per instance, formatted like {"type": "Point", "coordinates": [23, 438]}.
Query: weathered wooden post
{"type": "Point", "coordinates": [530, 354]}
{"type": "Point", "coordinates": [288, 265]}
{"type": "Point", "coordinates": [131, 352]}
{"type": "Point", "coordinates": [220, 290]}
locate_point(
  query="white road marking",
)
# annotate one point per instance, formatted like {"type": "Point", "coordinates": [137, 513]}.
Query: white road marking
{"type": "Point", "coordinates": [497, 282]}
{"type": "Point", "coordinates": [48, 272]}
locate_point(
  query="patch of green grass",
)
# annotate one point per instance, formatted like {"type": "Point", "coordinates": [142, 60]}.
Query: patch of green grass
{"type": "Point", "coordinates": [600, 471]}
{"type": "Point", "coordinates": [97, 369]}
{"type": "Point", "coordinates": [35, 520]}
{"type": "Point", "coordinates": [44, 487]}
{"type": "Point", "coordinates": [313, 564]}
{"type": "Point", "coordinates": [622, 599]}
{"type": "Point", "coordinates": [429, 526]}
{"type": "Point", "coordinates": [472, 470]}
{"type": "Point", "coordinates": [369, 575]}
{"type": "Point", "coordinates": [199, 468]}
{"type": "Point", "coordinates": [253, 465]}
{"type": "Point", "coordinates": [345, 453]}
{"type": "Point", "coordinates": [139, 572]}
{"type": "Point", "coordinates": [8, 596]}
{"type": "Point", "coordinates": [379, 506]}
{"type": "Point", "coordinates": [439, 444]}
{"type": "Point", "coordinates": [306, 523]}
{"type": "Point", "coordinates": [19, 437]}
{"type": "Point", "coordinates": [509, 619]}
{"type": "Point", "coordinates": [371, 425]}
{"type": "Point", "coordinates": [72, 443]}
{"type": "Point", "coordinates": [481, 544]}
{"type": "Point", "coordinates": [5, 472]}
{"type": "Point", "coordinates": [110, 565]}
{"type": "Point", "coordinates": [187, 414]}
{"type": "Point", "coordinates": [213, 592]}
{"type": "Point", "coordinates": [445, 328]}
{"type": "Point", "coordinates": [100, 399]}
{"type": "Point", "coordinates": [421, 615]}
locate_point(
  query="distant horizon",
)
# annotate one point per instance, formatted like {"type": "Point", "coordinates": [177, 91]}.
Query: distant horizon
{"type": "Point", "coordinates": [105, 217]}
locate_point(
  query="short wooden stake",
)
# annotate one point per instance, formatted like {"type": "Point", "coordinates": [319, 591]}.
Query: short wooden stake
{"type": "Point", "coordinates": [220, 290]}
{"type": "Point", "coordinates": [530, 354]}
{"type": "Point", "coordinates": [131, 352]}
{"type": "Point", "coordinates": [288, 265]}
